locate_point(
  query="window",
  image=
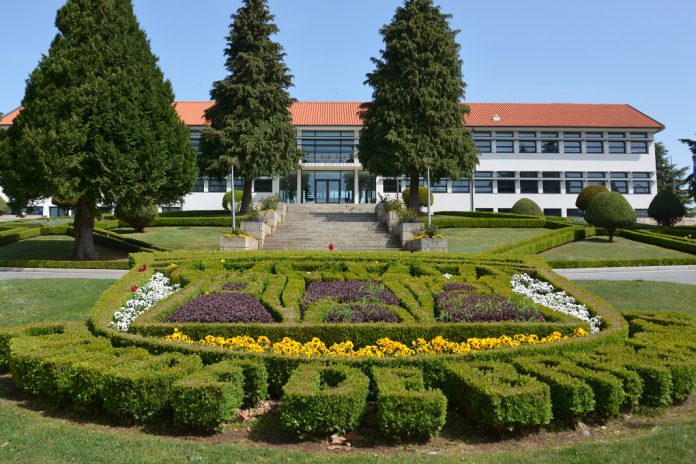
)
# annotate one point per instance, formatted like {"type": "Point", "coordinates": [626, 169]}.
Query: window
{"type": "Point", "coordinates": [328, 146]}
{"type": "Point", "coordinates": [37, 211]}
{"type": "Point", "coordinates": [551, 174]}
{"type": "Point", "coordinates": [549, 135]}
{"type": "Point", "coordinates": [390, 186]}
{"type": "Point", "coordinates": [642, 213]}
{"type": "Point", "coordinates": [641, 175]}
{"type": "Point", "coordinates": [549, 147]}
{"type": "Point", "coordinates": [572, 212]}
{"type": "Point", "coordinates": [552, 212]}
{"type": "Point", "coordinates": [503, 134]}
{"type": "Point", "coordinates": [484, 146]}
{"type": "Point", "coordinates": [617, 135]}
{"type": "Point", "coordinates": [171, 209]}
{"type": "Point", "coordinates": [552, 186]}
{"type": "Point", "coordinates": [595, 147]}
{"type": "Point", "coordinates": [505, 174]}
{"type": "Point", "coordinates": [217, 185]}
{"type": "Point", "coordinates": [641, 187]}
{"type": "Point", "coordinates": [238, 184]}
{"type": "Point", "coordinates": [574, 186]}
{"type": "Point", "coordinates": [481, 134]}
{"type": "Point", "coordinates": [526, 135]}
{"type": "Point", "coordinates": [438, 187]}
{"type": "Point", "coordinates": [460, 186]}
{"type": "Point", "coordinates": [596, 175]}
{"type": "Point", "coordinates": [617, 147]}
{"type": "Point", "coordinates": [573, 175]}
{"type": "Point", "coordinates": [505, 210]}
{"type": "Point", "coordinates": [504, 146]}
{"type": "Point", "coordinates": [483, 174]}
{"type": "Point", "coordinates": [529, 174]}
{"type": "Point", "coordinates": [597, 182]}
{"type": "Point", "coordinates": [483, 186]}
{"type": "Point", "coordinates": [594, 135]}
{"type": "Point", "coordinates": [55, 211]}
{"type": "Point", "coordinates": [639, 147]}
{"type": "Point", "coordinates": [572, 147]}
{"type": "Point", "coordinates": [506, 186]}
{"type": "Point", "coordinates": [198, 186]}
{"type": "Point", "coordinates": [527, 146]}
{"type": "Point", "coordinates": [529, 186]}
{"type": "Point", "coordinates": [639, 135]}
{"type": "Point", "coordinates": [485, 210]}
{"type": "Point", "coordinates": [620, 186]}
{"type": "Point", "coordinates": [263, 186]}
{"type": "Point", "coordinates": [571, 135]}
{"type": "Point", "coordinates": [619, 175]}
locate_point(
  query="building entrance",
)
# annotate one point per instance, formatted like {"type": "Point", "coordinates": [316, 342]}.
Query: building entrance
{"type": "Point", "coordinates": [327, 191]}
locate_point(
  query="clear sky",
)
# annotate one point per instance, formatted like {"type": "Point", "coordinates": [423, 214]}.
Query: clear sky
{"type": "Point", "coordinates": [639, 52]}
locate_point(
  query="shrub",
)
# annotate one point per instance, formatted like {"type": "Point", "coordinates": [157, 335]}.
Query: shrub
{"type": "Point", "coordinates": [323, 400]}
{"type": "Point", "coordinates": [611, 211]}
{"type": "Point", "coordinates": [270, 203]}
{"type": "Point", "coordinates": [422, 196]}
{"type": "Point", "coordinates": [255, 382]}
{"type": "Point", "coordinates": [390, 203]}
{"type": "Point", "coordinates": [4, 208]}
{"type": "Point", "coordinates": [527, 207]}
{"type": "Point", "coordinates": [405, 409]}
{"type": "Point", "coordinates": [666, 208]}
{"type": "Point", "coordinates": [137, 215]}
{"type": "Point", "coordinates": [222, 307]}
{"type": "Point", "coordinates": [227, 200]}
{"type": "Point", "coordinates": [588, 194]}
{"type": "Point", "coordinates": [408, 216]}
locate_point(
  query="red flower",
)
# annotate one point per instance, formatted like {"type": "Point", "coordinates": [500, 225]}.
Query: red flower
{"type": "Point", "coordinates": [142, 268]}
{"type": "Point", "coordinates": [134, 288]}
{"type": "Point", "coordinates": [331, 246]}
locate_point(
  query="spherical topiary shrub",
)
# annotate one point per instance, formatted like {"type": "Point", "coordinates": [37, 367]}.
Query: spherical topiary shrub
{"type": "Point", "coordinates": [137, 215]}
{"type": "Point", "coordinates": [4, 209]}
{"type": "Point", "coordinates": [227, 199]}
{"type": "Point", "coordinates": [527, 207]}
{"type": "Point", "coordinates": [422, 196]}
{"type": "Point", "coordinates": [588, 194]}
{"type": "Point", "coordinates": [611, 211]}
{"type": "Point", "coordinates": [666, 208]}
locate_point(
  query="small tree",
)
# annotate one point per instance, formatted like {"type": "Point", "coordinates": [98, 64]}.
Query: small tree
{"type": "Point", "coordinates": [527, 207]}
{"type": "Point", "coordinates": [227, 200]}
{"type": "Point", "coordinates": [588, 194]}
{"type": "Point", "coordinates": [666, 208]}
{"type": "Point", "coordinates": [138, 215]}
{"type": "Point", "coordinates": [422, 196]}
{"type": "Point", "coordinates": [611, 211]}
{"type": "Point", "coordinates": [670, 176]}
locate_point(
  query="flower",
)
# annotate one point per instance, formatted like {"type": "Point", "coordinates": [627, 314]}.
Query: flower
{"type": "Point", "coordinates": [134, 288]}
{"type": "Point", "coordinates": [156, 289]}
{"type": "Point", "coordinates": [222, 261]}
{"type": "Point", "coordinates": [142, 268]}
{"type": "Point", "coordinates": [447, 275]}
{"type": "Point", "coordinates": [331, 246]}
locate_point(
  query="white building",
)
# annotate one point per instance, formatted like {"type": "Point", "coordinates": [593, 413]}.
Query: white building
{"type": "Point", "coordinates": [546, 152]}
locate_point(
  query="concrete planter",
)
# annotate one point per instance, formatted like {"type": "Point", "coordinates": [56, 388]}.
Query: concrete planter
{"type": "Point", "coordinates": [258, 230]}
{"type": "Point", "coordinates": [428, 245]}
{"type": "Point", "coordinates": [282, 210]}
{"type": "Point", "coordinates": [380, 211]}
{"type": "Point", "coordinates": [272, 218]}
{"type": "Point", "coordinates": [391, 219]}
{"type": "Point", "coordinates": [405, 231]}
{"type": "Point", "coordinates": [238, 243]}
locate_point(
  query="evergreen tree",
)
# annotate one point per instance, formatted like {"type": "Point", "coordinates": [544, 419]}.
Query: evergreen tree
{"type": "Point", "coordinates": [416, 110]}
{"type": "Point", "coordinates": [692, 178]}
{"type": "Point", "coordinates": [669, 177]}
{"type": "Point", "coordinates": [611, 211]}
{"type": "Point", "coordinates": [98, 125]}
{"type": "Point", "coordinates": [250, 120]}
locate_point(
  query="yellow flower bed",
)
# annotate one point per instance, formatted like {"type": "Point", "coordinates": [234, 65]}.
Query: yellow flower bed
{"type": "Point", "coordinates": [238, 235]}
{"type": "Point", "coordinates": [416, 237]}
{"type": "Point", "coordinates": [384, 347]}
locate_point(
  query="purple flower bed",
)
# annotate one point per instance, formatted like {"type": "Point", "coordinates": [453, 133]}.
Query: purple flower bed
{"type": "Point", "coordinates": [458, 288]}
{"type": "Point", "coordinates": [234, 286]}
{"type": "Point", "coordinates": [348, 292]}
{"type": "Point", "coordinates": [361, 313]}
{"type": "Point", "coordinates": [222, 307]}
{"type": "Point", "coordinates": [463, 306]}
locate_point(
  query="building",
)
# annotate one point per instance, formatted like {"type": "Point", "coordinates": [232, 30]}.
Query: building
{"type": "Point", "coordinates": [544, 151]}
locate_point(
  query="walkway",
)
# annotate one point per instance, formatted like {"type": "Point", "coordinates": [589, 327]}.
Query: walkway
{"type": "Point", "coordinates": [676, 274]}
{"type": "Point", "coordinates": [7, 273]}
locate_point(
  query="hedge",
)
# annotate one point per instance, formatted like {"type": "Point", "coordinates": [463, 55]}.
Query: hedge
{"type": "Point", "coordinates": [33, 330]}
{"type": "Point", "coordinates": [545, 241]}
{"type": "Point", "coordinates": [324, 399]}
{"type": "Point", "coordinates": [684, 245]}
{"type": "Point", "coordinates": [585, 263]}
{"type": "Point", "coordinates": [121, 264]}
{"type": "Point", "coordinates": [223, 221]}
{"type": "Point", "coordinates": [20, 233]}
{"type": "Point", "coordinates": [196, 214]}
{"type": "Point", "coordinates": [483, 214]}
{"type": "Point", "coordinates": [447, 222]}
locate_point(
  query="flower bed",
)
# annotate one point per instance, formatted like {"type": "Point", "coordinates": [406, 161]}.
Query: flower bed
{"type": "Point", "coordinates": [157, 289]}
{"type": "Point", "coordinates": [361, 313]}
{"type": "Point", "coordinates": [222, 307]}
{"type": "Point", "coordinates": [348, 291]}
{"type": "Point", "coordinates": [458, 303]}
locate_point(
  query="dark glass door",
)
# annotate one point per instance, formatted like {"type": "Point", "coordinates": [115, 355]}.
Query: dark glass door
{"type": "Point", "coordinates": [327, 191]}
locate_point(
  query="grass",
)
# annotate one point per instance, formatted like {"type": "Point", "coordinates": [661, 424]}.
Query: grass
{"type": "Point", "coordinates": [185, 238]}
{"type": "Point", "coordinates": [51, 247]}
{"type": "Point", "coordinates": [640, 295]}
{"type": "Point", "coordinates": [598, 248]}
{"type": "Point", "coordinates": [474, 240]}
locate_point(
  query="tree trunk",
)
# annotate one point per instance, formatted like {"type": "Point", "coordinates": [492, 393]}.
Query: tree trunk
{"type": "Point", "coordinates": [246, 197]}
{"type": "Point", "coordinates": [84, 248]}
{"type": "Point", "coordinates": [414, 197]}
{"type": "Point", "coordinates": [611, 235]}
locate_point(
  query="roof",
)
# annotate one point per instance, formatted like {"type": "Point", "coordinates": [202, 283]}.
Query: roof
{"type": "Point", "coordinates": [481, 115]}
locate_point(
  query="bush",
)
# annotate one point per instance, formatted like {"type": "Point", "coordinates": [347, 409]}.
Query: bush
{"type": "Point", "coordinates": [408, 216]}
{"type": "Point", "coordinates": [4, 208]}
{"type": "Point", "coordinates": [227, 200]}
{"type": "Point", "coordinates": [324, 400]}
{"type": "Point", "coordinates": [422, 196]}
{"type": "Point", "coordinates": [138, 215]}
{"type": "Point", "coordinates": [527, 207]}
{"type": "Point", "coordinates": [666, 208]}
{"type": "Point", "coordinates": [611, 211]}
{"type": "Point", "coordinates": [588, 194]}
{"type": "Point", "coordinates": [270, 203]}
{"type": "Point", "coordinates": [390, 204]}
{"type": "Point", "coordinates": [405, 409]}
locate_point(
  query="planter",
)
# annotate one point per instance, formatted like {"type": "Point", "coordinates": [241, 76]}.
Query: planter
{"type": "Point", "coordinates": [405, 231]}
{"type": "Point", "coordinates": [272, 218]}
{"type": "Point", "coordinates": [391, 219]}
{"type": "Point", "coordinates": [282, 210]}
{"type": "Point", "coordinates": [238, 243]}
{"type": "Point", "coordinates": [257, 229]}
{"type": "Point", "coordinates": [428, 245]}
{"type": "Point", "coordinates": [380, 211]}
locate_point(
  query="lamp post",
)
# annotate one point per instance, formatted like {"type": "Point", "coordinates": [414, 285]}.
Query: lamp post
{"type": "Point", "coordinates": [428, 162]}
{"type": "Point", "coordinates": [233, 206]}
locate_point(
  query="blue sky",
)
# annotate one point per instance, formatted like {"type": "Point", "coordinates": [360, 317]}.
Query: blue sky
{"type": "Point", "coordinates": [593, 51]}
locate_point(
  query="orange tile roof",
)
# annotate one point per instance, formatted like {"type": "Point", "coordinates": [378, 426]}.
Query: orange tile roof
{"type": "Point", "coordinates": [482, 115]}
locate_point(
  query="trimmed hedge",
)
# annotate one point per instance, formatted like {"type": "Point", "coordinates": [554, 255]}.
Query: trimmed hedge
{"type": "Point", "coordinates": [20, 233]}
{"type": "Point", "coordinates": [24, 330]}
{"type": "Point", "coordinates": [545, 241]}
{"type": "Point", "coordinates": [584, 263]}
{"type": "Point", "coordinates": [213, 221]}
{"type": "Point", "coordinates": [445, 222]}
{"type": "Point", "coordinates": [323, 400]}
{"type": "Point", "coordinates": [483, 214]}
{"type": "Point", "coordinates": [405, 408]}
{"type": "Point", "coordinates": [665, 241]}
{"type": "Point", "coordinates": [195, 214]}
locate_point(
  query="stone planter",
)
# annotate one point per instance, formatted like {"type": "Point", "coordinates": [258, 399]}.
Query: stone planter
{"type": "Point", "coordinates": [391, 219]}
{"type": "Point", "coordinates": [238, 243]}
{"type": "Point", "coordinates": [257, 229]}
{"type": "Point", "coordinates": [405, 231]}
{"type": "Point", "coordinates": [428, 245]}
{"type": "Point", "coordinates": [380, 211]}
{"type": "Point", "coordinates": [282, 210]}
{"type": "Point", "coordinates": [272, 218]}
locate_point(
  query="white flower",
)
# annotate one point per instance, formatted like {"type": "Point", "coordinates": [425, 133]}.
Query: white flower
{"type": "Point", "coordinates": [447, 275]}
{"type": "Point", "coordinates": [155, 290]}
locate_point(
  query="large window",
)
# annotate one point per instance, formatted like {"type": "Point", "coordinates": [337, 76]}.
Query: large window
{"type": "Point", "coordinates": [574, 186]}
{"type": "Point", "coordinates": [552, 186]}
{"type": "Point", "coordinates": [529, 186]}
{"type": "Point", "coordinates": [617, 147]}
{"type": "Point", "coordinates": [198, 186]}
{"type": "Point", "coordinates": [639, 147]}
{"type": "Point", "coordinates": [263, 185]}
{"type": "Point", "coordinates": [483, 182]}
{"type": "Point", "coordinates": [217, 185]}
{"type": "Point", "coordinates": [484, 146]}
{"type": "Point", "coordinates": [572, 146]}
{"type": "Point", "coordinates": [594, 146]}
{"type": "Point", "coordinates": [504, 146]}
{"type": "Point", "coordinates": [549, 146]}
{"type": "Point", "coordinates": [328, 146]}
{"type": "Point", "coordinates": [439, 186]}
{"type": "Point", "coordinates": [528, 146]}
{"type": "Point", "coordinates": [620, 186]}
{"type": "Point", "coordinates": [641, 187]}
{"type": "Point", "coordinates": [460, 186]}
{"type": "Point", "coordinates": [390, 186]}
{"type": "Point", "coordinates": [506, 186]}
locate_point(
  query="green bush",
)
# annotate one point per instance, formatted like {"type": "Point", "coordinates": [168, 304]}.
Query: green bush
{"type": "Point", "coordinates": [494, 395]}
{"type": "Point", "coordinates": [405, 408]}
{"type": "Point", "coordinates": [4, 208]}
{"type": "Point", "coordinates": [611, 211]}
{"type": "Point", "coordinates": [138, 215]}
{"type": "Point", "coordinates": [527, 207]}
{"type": "Point", "coordinates": [255, 382]}
{"type": "Point", "coordinates": [582, 263]}
{"type": "Point", "coordinates": [19, 233]}
{"type": "Point", "coordinates": [390, 203]}
{"type": "Point", "coordinates": [588, 194]}
{"type": "Point", "coordinates": [208, 398]}
{"type": "Point", "coordinates": [632, 384]}
{"type": "Point", "coordinates": [666, 208]}
{"type": "Point", "coordinates": [195, 213]}
{"type": "Point", "coordinates": [422, 197]}
{"type": "Point", "coordinates": [320, 400]}
{"type": "Point", "coordinates": [227, 200]}
{"type": "Point", "coordinates": [24, 330]}
{"type": "Point", "coordinates": [207, 221]}
{"type": "Point", "coordinates": [673, 243]}
{"type": "Point", "coordinates": [445, 222]}
{"type": "Point", "coordinates": [270, 202]}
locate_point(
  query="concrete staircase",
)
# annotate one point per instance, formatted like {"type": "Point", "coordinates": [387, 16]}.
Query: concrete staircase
{"type": "Point", "coordinates": [348, 227]}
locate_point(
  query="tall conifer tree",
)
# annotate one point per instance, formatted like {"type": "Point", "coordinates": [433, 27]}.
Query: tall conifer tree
{"type": "Point", "coordinates": [416, 111]}
{"type": "Point", "coordinates": [669, 176]}
{"type": "Point", "coordinates": [250, 119]}
{"type": "Point", "coordinates": [98, 125]}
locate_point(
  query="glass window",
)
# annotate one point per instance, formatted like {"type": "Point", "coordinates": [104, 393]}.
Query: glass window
{"type": "Point", "coordinates": [484, 146]}
{"type": "Point", "coordinates": [529, 186]}
{"type": "Point", "coordinates": [483, 174]}
{"type": "Point", "coordinates": [549, 135]}
{"type": "Point", "coordinates": [263, 186]}
{"type": "Point", "coordinates": [620, 186]}
{"type": "Point", "coordinates": [595, 147]}
{"type": "Point", "coordinates": [597, 182]}
{"type": "Point", "coordinates": [617, 135]}
{"type": "Point", "coordinates": [527, 146]}
{"type": "Point", "coordinates": [551, 174]}
{"type": "Point", "coordinates": [552, 212]}
{"type": "Point", "coordinates": [505, 174]}
{"type": "Point", "coordinates": [328, 146]}
{"type": "Point", "coordinates": [549, 147]}
{"type": "Point", "coordinates": [596, 175]}
{"type": "Point", "coordinates": [572, 212]}
{"type": "Point", "coordinates": [572, 147]}
{"type": "Point", "coordinates": [171, 209]}
{"type": "Point", "coordinates": [460, 186]}
{"type": "Point", "coordinates": [526, 135]}
{"type": "Point", "coordinates": [617, 147]}
{"type": "Point", "coordinates": [639, 135]}
{"type": "Point", "coordinates": [619, 175]}
{"type": "Point", "coordinates": [571, 135]}
{"type": "Point", "coordinates": [238, 184]}
{"type": "Point", "coordinates": [483, 186]}
{"type": "Point", "coordinates": [573, 175]}
{"type": "Point", "coordinates": [641, 175]}
{"type": "Point", "coordinates": [438, 187]}
{"type": "Point", "coordinates": [529, 174]}
{"type": "Point", "coordinates": [642, 213]}
{"type": "Point", "coordinates": [505, 210]}
{"type": "Point", "coordinates": [217, 185]}
{"type": "Point", "coordinates": [641, 187]}
{"type": "Point", "coordinates": [485, 210]}
{"type": "Point", "coordinates": [503, 134]}
{"type": "Point", "coordinates": [54, 211]}
{"type": "Point", "coordinates": [639, 147]}
{"type": "Point", "coordinates": [390, 186]}
{"type": "Point", "coordinates": [198, 186]}
{"type": "Point", "coordinates": [481, 134]}
{"type": "Point", "coordinates": [594, 135]}
{"type": "Point", "coordinates": [574, 186]}
{"type": "Point", "coordinates": [552, 186]}
{"type": "Point", "coordinates": [504, 146]}
{"type": "Point", "coordinates": [506, 186]}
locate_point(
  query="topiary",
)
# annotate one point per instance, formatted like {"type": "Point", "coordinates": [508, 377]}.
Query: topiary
{"type": "Point", "coordinates": [666, 208]}
{"type": "Point", "coordinates": [527, 207]}
{"type": "Point", "coordinates": [611, 211]}
{"type": "Point", "coordinates": [422, 196]}
{"type": "Point", "coordinates": [227, 199]}
{"type": "Point", "coordinates": [4, 209]}
{"type": "Point", "coordinates": [588, 194]}
{"type": "Point", "coordinates": [137, 215]}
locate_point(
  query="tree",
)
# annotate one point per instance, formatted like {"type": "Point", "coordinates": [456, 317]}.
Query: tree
{"type": "Point", "coordinates": [4, 209]}
{"type": "Point", "coordinates": [250, 120]}
{"type": "Point", "coordinates": [691, 179]}
{"type": "Point", "coordinates": [611, 211]}
{"type": "Point", "coordinates": [666, 208]}
{"type": "Point", "coordinates": [669, 177]}
{"type": "Point", "coordinates": [416, 111]}
{"type": "Point", "coordinates": [588, 194]}
{"type": "Point", "coordinates": [98, 124]}
{"type": "Point", "coordinates": [138, 214]}
{"type": "Point", "coordinates": [527, 207]}
{"type": "Point", "coordinates": [422, 195]}
{"type": "Point", "coordinates": [227, 200]}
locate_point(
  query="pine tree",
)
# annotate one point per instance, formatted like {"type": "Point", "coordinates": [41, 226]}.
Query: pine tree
{"type": "Point", "coordinates": [98, 124]}
{"type": "Point", "coordinates": [669, 176]}
{"type": "Point", "coordinates": [250, 120]}
{"type": "Point", "coordinates": [416, 111]}
{"type": "Point", "coordinates": [691, 180]}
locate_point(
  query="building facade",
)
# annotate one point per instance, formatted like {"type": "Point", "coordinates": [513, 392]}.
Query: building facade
{"type": "Point", "coordinates": [545, 152]}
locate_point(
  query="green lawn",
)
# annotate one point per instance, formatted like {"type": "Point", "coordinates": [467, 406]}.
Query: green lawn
{"type": "Point", "coordinates": [51, 247]}
{"type": "Point", "coordinates": [597, 248]}
{"type": "Point", "coordinates": [187, 238]}
{"type": "Point", "coordinates": [642, 295]}
{"type": "Point", "coordinates": [474, 240]}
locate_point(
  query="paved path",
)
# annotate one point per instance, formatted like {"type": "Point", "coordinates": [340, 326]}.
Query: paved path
{"type": "Point", "coordinates": [677, 274]}
{"type": "Point", "coordinates": [7, 273]}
